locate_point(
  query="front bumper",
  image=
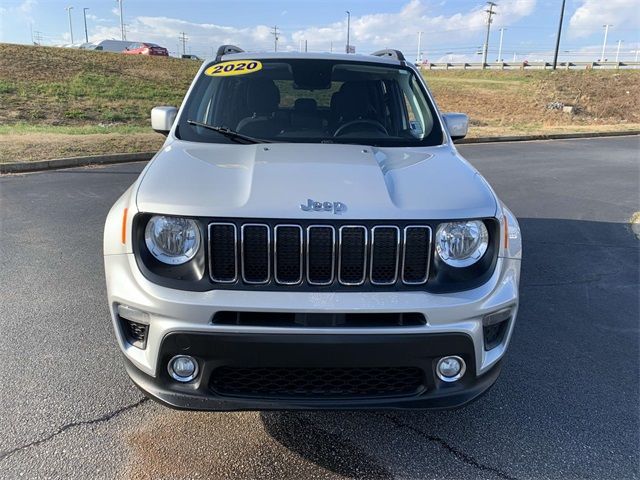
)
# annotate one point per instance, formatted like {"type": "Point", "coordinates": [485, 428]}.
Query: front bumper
{"type": "Point", "coordinates": [454, 327]}
{"type": "Point", "coordinates": [330, 353]}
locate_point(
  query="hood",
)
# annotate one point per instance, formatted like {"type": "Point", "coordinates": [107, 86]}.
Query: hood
{"type": "Point", "coordinates": [274, 180]}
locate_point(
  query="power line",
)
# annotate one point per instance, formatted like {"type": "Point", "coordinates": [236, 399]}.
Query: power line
{"type": "Point", "coordinates": [183, 38]}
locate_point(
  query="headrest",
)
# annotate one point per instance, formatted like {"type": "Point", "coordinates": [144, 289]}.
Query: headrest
{"type": "Point", "coordinates": [305, 105]}
{"type": "Point", "coordinates": [263, 96]}
{"type": "Point", "coordinates": [353, 101]}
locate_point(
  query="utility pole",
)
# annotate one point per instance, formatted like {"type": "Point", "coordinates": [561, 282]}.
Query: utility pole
{"type": "Point", "coordinates": [500, 48]}
{"type": "Point", "coordinates": [183, 38]}
{"type": "Point", "coordinates": [274, 32]}
{"type": "Point", "coordinates": [618, 50]}
{"type": "Point", "coordinates": [490, 14]}
{"type": "Point", "coordinates": [123, 35]}
{"type": "Point", "coordinates": [37, 37]}
{"type": "Point", "coordinates": [419, 46]}
{"type": "Point", "coordinates": [555, 55]}
{"type": "Point", "coordinates": [86, 34]}
{"type": "Point", "coordinates": [305, 46]}
{"type": "Point", "coordinates": [331, 46]}
{"type": "Point", "coordinates": [348, 30]}
{"type": "Point", "coordinates": [604, 44]}
{"type": "Point", "coordinates": [68, 9]}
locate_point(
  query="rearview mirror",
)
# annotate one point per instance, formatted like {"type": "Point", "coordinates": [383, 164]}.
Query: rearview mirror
{"type": "Point", "coordinates": [162, 119]}
{"type": "Point", "coordinates": [457, 124]}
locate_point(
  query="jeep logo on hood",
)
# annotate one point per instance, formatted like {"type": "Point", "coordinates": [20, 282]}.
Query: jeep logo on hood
{"type": "Point", "coordinates": [313, 206]}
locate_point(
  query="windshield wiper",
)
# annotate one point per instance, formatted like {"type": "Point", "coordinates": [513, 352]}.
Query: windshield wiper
{"type": "Point", "coordinates": [227, 132]}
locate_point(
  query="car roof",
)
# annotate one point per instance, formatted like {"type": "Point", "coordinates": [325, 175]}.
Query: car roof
{"type": "Point", "coordinates": [311, 56]}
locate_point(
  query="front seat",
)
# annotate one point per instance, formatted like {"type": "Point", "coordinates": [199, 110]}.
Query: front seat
{"type": "Point", "coordinates": [305, 115]}
{"type": "Point", "coordinates": [263, 98]}
{"type": "Point", "coordinates": [352, 102]}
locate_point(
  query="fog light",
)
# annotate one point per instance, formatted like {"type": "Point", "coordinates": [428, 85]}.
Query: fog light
{"type": "Point", "coordinates": [183, 368]}
{"type": "Point", "coordinates": [450, 369]}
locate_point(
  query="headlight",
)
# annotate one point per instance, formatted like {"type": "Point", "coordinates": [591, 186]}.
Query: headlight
{"type": "Point", "coordinates": [461, 244]}
{"type": "Point", "coordinates": [172, 240]}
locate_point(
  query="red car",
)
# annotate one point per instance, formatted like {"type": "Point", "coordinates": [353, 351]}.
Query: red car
{"type": "Point", "coordinates": [146, 49]}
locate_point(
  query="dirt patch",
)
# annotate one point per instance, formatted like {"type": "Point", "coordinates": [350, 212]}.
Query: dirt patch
{"type": "Point", "coordinates": [521, 100]}
{"type": "Point", "coordinates": [46, 146]}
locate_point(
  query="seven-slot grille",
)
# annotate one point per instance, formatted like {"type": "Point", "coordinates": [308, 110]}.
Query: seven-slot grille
{"type": "Point", "coordinates": [289, 254]}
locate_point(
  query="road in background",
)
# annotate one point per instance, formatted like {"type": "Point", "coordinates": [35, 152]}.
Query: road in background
{"type": "Point", "coordinates": [564, 407]}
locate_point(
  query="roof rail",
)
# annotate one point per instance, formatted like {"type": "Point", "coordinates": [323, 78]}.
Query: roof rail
{"type": "Point", "coordinates": [395, 54]}
{"type": "Point", "coordinates": [226, 50]}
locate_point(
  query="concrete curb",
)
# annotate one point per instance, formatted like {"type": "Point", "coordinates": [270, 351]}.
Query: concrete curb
{"type": "Point", "coordinates": [22, 167]}
{"type": "Point", "coordinates": [550, 136]}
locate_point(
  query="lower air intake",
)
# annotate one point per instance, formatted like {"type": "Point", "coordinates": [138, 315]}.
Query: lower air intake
{"type": "Point", "coordinates": [350, 382]}
{"type": "Point", "coordinates": [135, 333]}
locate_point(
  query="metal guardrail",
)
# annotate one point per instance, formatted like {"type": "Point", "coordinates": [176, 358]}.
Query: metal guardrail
{"type": "Point", "coordinates": [531, 66]}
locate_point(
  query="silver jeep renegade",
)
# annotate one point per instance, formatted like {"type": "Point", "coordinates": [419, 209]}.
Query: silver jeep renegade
{"type": "Point", "coordinates": [309, 237]}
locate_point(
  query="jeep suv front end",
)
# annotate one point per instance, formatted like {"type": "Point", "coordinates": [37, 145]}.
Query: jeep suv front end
{"type": "Point", "coordinates": [309, 237]}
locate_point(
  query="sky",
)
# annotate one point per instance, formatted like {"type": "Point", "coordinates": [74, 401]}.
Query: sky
{"type": "Point", "coordinates": [453, 30]}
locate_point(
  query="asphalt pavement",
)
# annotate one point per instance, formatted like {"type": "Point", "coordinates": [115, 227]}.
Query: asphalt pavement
{"type": "Point", "coordinates": [565, 406]}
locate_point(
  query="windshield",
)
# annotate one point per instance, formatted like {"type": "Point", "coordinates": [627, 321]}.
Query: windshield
{"type": "Point", "coordinates": [311, 101]}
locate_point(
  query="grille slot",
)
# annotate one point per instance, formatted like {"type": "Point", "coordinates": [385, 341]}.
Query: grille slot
{"type": "Point", "coordinates": [347, 382]}
{"type": "Point", "coordinates": [385, 252]}
{"type": "Point", "coordinates": [321, 254]}
{"type": "Point", "coordinates": [417, 255]}
{"type": "Point", "coordinates": [319, 320]}
{"type": "Point", "coordinates": [256, 253]}
{"type": "Point", "coordinates": [223, 252]}
{"type": "Point", "coordinates": [288, 254]}
{"type": "Point", "coordinates": [353, 255]}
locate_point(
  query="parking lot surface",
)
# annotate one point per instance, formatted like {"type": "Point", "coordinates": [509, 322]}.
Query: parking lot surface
{"type": "Point", "coordinates": [566, 405]}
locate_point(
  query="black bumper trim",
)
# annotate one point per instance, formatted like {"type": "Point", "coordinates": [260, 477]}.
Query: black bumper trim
{"type": "Point", "coordinates": [313, 350]}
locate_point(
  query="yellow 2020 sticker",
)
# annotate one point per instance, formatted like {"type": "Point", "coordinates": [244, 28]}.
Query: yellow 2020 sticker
{"type": "Point", "coordinates": [235, 67]}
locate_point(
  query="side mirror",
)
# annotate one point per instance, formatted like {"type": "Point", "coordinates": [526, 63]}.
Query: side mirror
{"type": "Point", "coordinates": [457, 124]}
{"type": "Point", "coordinates": [162, 119]}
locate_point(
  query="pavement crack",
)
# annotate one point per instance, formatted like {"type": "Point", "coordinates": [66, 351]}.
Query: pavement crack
{"type": "Point", "coordinates": [463, 457]}
{"type": "Point", "coordinates": [104, 418]}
